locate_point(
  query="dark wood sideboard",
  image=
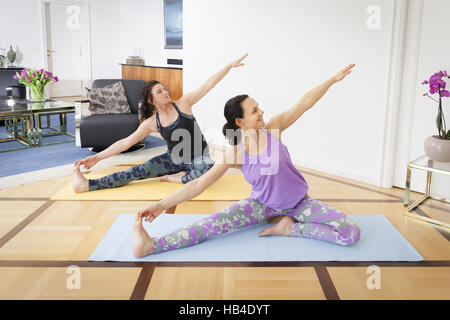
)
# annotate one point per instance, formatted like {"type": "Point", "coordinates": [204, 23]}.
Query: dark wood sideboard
{"type": "Point", "coordinates": [171, 78]}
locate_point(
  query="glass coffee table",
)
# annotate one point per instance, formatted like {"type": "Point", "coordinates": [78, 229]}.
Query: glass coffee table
{"type": "Point", "coordinates": [17, 123]}
{"type": "Point", "coordinates": [23, 121]}
{"type": "Point", "coordinates": [425, 164]}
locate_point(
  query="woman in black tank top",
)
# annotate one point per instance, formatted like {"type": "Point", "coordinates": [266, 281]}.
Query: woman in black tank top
{"type": "Point", "coordinates": [191, 138]}
{"type": "Point", "coordinates": [187, 157]}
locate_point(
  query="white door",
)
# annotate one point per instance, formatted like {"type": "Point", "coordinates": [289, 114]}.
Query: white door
{"type": "Point", "coordinates": [67, 43]}
{"type": "Point", "coordinates": [425, 54]}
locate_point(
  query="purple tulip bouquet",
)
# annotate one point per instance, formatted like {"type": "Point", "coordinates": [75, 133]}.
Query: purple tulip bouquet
{"type": "Point", "coordinates": [437, 85]}
{"type": "Point", "coordinates": [35, 80]}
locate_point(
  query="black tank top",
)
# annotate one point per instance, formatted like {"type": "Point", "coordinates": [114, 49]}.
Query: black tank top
{"type": "Point", "coordinates": [178, 135]}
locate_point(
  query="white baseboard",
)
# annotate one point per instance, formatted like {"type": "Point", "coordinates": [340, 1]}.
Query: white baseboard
{"type": "Point", "coordinates": [338, 172]}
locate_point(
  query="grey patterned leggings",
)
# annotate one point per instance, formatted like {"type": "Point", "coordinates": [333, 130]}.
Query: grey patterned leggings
{"type": "Point", "coordinates": [155, 167]}
{"type": "Point", "coordinates": [314, 219]}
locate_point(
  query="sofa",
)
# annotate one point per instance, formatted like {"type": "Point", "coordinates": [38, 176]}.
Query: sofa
{"type": "Point", "coordinates": [99, 131]}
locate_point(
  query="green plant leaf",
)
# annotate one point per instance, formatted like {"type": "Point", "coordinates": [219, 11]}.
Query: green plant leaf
{"type": "Point", "coordinates": [439, 122]}
{"type": "Point", "coordinates": [443, 134]}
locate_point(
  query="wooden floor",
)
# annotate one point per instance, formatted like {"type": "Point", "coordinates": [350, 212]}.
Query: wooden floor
{"type": "Point", "coordinates": [41, 238]}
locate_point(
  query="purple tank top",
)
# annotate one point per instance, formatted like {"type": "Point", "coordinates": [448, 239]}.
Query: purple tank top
{"type": "Point", "coordinates": [275, 181]}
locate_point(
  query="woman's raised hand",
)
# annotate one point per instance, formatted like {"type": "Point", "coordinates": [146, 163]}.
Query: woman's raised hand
{"type": "Point", "coordinates": [343, 73]}
{"type": "Point", "coordinates": [238, 62]}
{"type": "Point", "coordinates": [88, 162]}
{"type": "Point", "coordinates": [151, 212]}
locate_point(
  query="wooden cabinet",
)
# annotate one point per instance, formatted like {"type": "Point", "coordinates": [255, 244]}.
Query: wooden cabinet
{"type": "Point", "coordinates": [171, 78]}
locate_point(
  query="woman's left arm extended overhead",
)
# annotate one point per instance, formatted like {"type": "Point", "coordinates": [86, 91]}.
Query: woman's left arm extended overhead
{"type": "Point", "coordinates": [284, 120]}
{"type": "Point", "coordinates": [191, 98]}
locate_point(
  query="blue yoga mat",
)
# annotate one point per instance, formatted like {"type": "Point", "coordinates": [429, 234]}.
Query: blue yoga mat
{"type": "Point", "coordinates": [379, 241]}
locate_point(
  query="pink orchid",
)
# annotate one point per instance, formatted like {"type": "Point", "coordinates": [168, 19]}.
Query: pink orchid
{"type": "Point", "coordinates": [438, 85]}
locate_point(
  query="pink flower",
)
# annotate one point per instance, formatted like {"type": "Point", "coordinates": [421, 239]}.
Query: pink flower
{"type": "Point", "coordinates": [434, 88]}
{"type": "Point", "coordinates": [437, 84]}
{"type": "Point", "coordinates": [435, 77]}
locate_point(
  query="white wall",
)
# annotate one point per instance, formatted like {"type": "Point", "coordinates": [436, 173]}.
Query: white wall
{"type": "Point", "coordinates": [119, 27]}
{"type": "Point", "coordinates": [106, 39]}
{"type": "Point", "coordinates": [293, 46]}
{"type": "Point", "coordinates": [426, 53]}
{"type": "Point", "coordinates": [21, 27]}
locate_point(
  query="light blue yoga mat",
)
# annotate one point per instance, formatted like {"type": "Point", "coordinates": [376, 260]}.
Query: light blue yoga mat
{"type": "Point", "coordinates": [379, 241]}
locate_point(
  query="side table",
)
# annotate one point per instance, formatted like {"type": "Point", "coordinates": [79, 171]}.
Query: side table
{"type": "Point", "coordinates": [426, 164]}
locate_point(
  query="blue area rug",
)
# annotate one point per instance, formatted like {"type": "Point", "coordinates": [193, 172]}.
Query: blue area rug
{"type": "Point", "coordinates": [37, 158]}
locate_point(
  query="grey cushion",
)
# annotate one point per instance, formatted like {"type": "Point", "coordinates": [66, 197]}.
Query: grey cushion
{"type": "Point", "coordinates": [133, 90]}
{"type": "Point", "coordinates": [102, 130]}
{"type": "Point", "coordinates": [108, 100]}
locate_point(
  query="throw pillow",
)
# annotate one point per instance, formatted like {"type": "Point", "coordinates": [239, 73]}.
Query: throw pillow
{"type": "Point", "coordinates": [108, 100]}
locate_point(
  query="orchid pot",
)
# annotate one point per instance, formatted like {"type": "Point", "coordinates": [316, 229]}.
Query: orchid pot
{"type": "Point", "coordinates": [437, 147]}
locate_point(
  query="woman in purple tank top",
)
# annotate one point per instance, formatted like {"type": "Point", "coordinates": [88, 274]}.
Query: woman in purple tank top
{"type": "Point", "coordinates": [278, 189]}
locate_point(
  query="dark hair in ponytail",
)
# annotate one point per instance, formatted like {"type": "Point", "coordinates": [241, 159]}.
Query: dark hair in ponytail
{"type": "Point", "coordinates": [146, 109]}
{"type": "Point", "coordinates": [233, 110]}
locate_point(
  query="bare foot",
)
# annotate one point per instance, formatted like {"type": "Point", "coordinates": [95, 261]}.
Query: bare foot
{"type": "Point", "coordinates": [282, 228]}
{"type": "Point", "coordinates": [174, 177]}
{"type": "Point", "coordinates": [143, 244]}
{"type": "Point", "coordinates": [80, 183]}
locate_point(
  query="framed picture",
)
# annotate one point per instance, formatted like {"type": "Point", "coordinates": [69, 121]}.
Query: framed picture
{"type": "Point", "coordinates": [173, 24]}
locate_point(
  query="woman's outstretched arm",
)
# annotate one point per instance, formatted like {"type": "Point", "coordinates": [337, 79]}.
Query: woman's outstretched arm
{"type": "Point", "coordinates": [144, 129]}
{"type": "Point", "coordinates": [284, 120]}
{"type": "Point", "coordinates": [189, 99]}
{"type": "Point", "coordinates": [189, 191]}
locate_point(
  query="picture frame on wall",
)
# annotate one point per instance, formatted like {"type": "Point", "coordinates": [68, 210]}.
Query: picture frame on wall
{"type": "Point", "coordinates": [173, 24]}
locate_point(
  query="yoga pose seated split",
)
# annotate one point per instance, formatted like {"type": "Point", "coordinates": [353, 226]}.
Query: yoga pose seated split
{"type": "Point", "coordinates": [175, 122]}
{"type": "Point", "coordinates": [278, 189]}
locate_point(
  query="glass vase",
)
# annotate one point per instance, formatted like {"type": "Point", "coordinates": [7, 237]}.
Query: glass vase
{"type": "Point", "coordinates": [36, 94]}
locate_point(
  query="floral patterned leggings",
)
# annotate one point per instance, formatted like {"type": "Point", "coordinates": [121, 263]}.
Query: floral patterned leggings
{"type": "Point", "coordinates": [315, 219]}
